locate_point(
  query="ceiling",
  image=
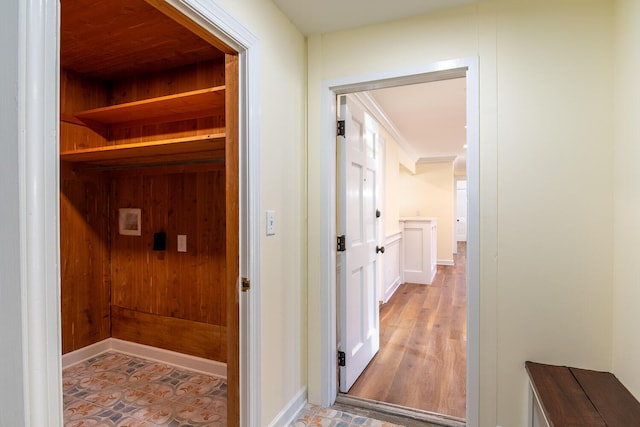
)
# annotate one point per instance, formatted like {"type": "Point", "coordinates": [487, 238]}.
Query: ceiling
{"type": "Point", "coordinates": [325, 16]}
{"type": "Point", "coordinates": [429, 117]}
{"type": "Point", "coordinates": [116, 38]}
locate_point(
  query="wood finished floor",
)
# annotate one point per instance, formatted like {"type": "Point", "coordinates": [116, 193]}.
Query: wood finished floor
{"type": "Point", "coordinates": [423, 337]}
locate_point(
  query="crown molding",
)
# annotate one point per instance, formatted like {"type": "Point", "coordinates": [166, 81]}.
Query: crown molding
{"type": "Point", "coordinates": [440, 159]}
{"type": "Point", "coordinates": [378, 113]}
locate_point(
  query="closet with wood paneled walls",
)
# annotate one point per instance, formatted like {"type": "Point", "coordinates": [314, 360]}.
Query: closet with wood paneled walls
{"type": "Point", "coordinates": [148, 182]}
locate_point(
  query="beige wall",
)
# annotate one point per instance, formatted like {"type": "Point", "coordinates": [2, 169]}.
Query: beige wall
{"type": "Point", "coordinates": [429, 193]}
{"type": "Point", "coordinates": [392, 199]}
{"type": "Point", "coordinates": [396, 158]}
{"type": "Point", "coordinates": [626, 291]}
{"type": "Point", "coordinates": [283, 189]}
{"type": "Point", "coordinates": [545, 176]}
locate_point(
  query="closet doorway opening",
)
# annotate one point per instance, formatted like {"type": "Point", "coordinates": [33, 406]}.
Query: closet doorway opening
{"type": "Point", "coordinates": [153, 210]}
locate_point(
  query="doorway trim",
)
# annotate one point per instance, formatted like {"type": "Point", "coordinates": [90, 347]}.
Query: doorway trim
{"type": "Point", "coordinates": [38, 105]}
{"type": "Point", "coordinates": [328, 311]}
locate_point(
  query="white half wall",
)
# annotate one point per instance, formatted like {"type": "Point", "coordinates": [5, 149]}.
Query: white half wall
{"type": "Point", "coordinates": [392, 277]}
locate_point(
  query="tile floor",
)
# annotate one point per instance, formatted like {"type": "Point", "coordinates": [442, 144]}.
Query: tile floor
{"type": "Point", "coordinates": [317, 416]}
{"type": "Point", "coordinates": [118, 390]}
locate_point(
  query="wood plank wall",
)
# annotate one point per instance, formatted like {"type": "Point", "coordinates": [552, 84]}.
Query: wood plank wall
{"type": "Point", "coordinates": [170, 82]}
{"type": "Point", "coordinates": [168, 285]}
{"type": "Point", "coordinates": [166, 299]}
{"type": "Point", "coordinates": [84, 226]}
{"type": "Point", "coordinates": [77, 94]}
{"type": "Point", "coordinates": [84, 250]}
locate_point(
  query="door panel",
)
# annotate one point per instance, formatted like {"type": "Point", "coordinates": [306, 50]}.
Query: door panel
{"type": "Point", "coordinates": [358, 282]}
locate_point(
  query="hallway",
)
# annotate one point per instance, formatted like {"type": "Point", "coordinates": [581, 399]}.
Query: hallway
{"type": "Point", "coordinates": [423, 336]}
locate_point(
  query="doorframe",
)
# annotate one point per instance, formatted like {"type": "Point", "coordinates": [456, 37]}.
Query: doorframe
{"type": "Point", "coordinates": [38, 128]}
{"type": "Point", "coordinates": [328, 311]}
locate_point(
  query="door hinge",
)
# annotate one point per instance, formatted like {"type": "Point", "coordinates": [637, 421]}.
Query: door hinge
{"type": "Point", "coordinates": [341, 246]}
{"type": "Point", "coordinates": [341, 128]}
{"type": "Point", "coordinates": [342, 359]}
{"type": "Point", "coordinates": [246, 284]}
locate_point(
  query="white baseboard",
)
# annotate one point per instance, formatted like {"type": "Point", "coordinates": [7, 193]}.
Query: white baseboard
{"type": "Point", "coordinates": [186, 361]}
{"type": "Point", "coordinates": [288, 413]}
{"type": "Point", "coordinates": [392, 289]}
{"type": "Point", "coordinates": [85, 353]}
{"type": "Point", "coordinates": [445, 262]}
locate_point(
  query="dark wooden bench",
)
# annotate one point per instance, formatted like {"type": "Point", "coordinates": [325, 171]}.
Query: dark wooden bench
{"type": "Point", "coordinates": [562, 396]}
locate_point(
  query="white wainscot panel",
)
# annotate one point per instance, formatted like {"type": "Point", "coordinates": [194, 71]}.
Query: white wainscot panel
{"type": "Point", "coordinates": [419, 257]}
{"type": "Point", "coordinates": [392, 265]}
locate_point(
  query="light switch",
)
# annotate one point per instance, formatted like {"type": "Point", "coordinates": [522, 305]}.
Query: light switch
{"type": "Point", "coordinates": [182, 243]}
{"type": "Point", "coordinates": [271, 223]}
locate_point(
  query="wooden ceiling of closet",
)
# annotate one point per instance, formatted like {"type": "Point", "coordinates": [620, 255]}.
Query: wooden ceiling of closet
{"type": "Point", "coordinates": [111, 39]}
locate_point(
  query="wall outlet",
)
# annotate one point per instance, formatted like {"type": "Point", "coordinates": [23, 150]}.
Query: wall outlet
{"type": "Point", "coordinates": [182, 243]}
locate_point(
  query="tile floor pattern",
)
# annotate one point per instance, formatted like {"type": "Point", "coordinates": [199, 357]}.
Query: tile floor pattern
{"type": "Point", "coordinates": [119, 390]}
{"type": "Point", "coordinates": [318, 416]}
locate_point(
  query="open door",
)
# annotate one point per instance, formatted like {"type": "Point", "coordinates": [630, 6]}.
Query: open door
{"type": "Point", "coordinates": [358, 277]}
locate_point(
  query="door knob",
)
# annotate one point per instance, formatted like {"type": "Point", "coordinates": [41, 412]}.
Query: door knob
{"type": "Point", "coordinates": [379, 249]}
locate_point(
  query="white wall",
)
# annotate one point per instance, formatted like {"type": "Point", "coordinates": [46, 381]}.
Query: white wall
{"type": "Point", "coordinates": [430, 193]}
{"type": "Point", "coordinates": [545, 176]}
{"type": "Point", "coordinates": [11, 363]}
{"type": "Point", "coordinates": [626, 291]}
{"type": "Point", "coordinates": [283, 187]}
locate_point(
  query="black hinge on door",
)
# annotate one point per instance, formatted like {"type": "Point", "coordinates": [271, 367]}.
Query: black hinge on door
{"type": "Point", "coordinates": [342, 359]}
{"type": "Point", "coordinates": [342, 246]}
{"type": "Point", "coordinates": [341, 128]}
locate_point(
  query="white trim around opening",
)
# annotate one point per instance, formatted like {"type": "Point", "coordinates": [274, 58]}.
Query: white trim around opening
{"type": "Point", "coordinates": [330, 88]}
{"type": "Point", "coordinates": [39, 206]}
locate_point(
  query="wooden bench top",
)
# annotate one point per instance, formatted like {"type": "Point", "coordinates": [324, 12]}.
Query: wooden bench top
{"type": "Point", "coordinates": [579, 397]}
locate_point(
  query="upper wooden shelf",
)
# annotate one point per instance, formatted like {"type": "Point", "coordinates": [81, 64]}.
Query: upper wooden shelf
{"type": "Point", "coordinates": [202, 147]}
{"type": "Point", "coordinates": [197, 103]}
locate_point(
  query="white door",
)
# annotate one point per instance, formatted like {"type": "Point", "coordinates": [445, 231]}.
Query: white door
{"type": "Point", "coordinates": [358, 300]}
{"type": "Point", "coordinates": [461, 211]}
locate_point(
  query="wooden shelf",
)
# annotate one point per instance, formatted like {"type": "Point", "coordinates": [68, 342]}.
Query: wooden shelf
{"type": "Point", "coordinates": [197, 103]}
{"type": "Point", "coordinates": [203, 147]}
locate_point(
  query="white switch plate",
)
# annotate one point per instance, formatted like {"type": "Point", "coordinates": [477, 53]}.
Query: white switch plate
{"type": "Point", "coordinates": [271, 223]}
{"type": "Point", "coordinates": [182, 243]}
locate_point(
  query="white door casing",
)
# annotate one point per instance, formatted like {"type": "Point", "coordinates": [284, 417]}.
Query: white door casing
{"type": "Point", "coordinates": [359, 317]}
{"type": "Point", "coordinates": [322, 322]}
{"type": "Point", "coordinates": [38, 105]}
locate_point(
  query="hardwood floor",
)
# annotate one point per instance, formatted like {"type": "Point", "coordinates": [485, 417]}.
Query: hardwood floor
{"type": "Point", "coordinates": [423, 337]}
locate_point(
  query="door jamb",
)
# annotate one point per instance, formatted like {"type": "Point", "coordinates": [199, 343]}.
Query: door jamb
{"type": "Point", "coordinates": [38, 103]}
{"type": "Point", "coordinates": [328, 310]}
